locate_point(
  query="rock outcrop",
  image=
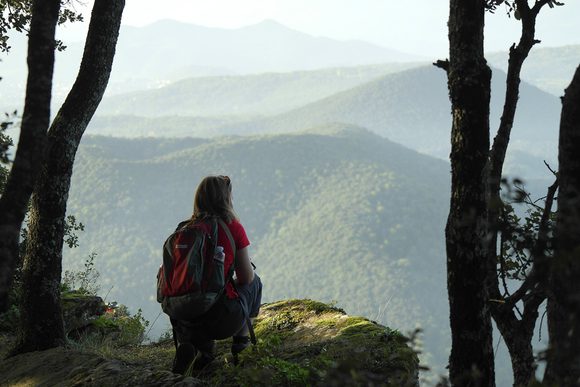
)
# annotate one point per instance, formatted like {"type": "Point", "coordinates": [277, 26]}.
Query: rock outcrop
{"type": "Point", "coordinates": [79, 311]}
{"type": "Point", "coordinates": [300, 342]}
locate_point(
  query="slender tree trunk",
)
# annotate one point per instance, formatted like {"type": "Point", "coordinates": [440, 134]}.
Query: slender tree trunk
{"type": "Point", "coordinates": [517, 333]}
{"type": "Point", "coordinates": [32, 143]}
{"type": "Point", "coordinates": [42, 325]}
{"type": "Point", "coordinates": [564, 288]}
{"type": "Point", "coordinates": [518, 338]}
{"type": "Point", "coordinates": [471, 362]}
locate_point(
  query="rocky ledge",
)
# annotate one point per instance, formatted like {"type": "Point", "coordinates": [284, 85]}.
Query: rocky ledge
{"type": "Point", "coordinates": [300, 342]}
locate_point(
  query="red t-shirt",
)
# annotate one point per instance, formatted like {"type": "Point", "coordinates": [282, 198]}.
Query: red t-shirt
{"type": "Point", "coordinates": [241, 241]}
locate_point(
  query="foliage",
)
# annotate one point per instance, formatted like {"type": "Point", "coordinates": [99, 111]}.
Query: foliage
{"type": "Point", "coordinates": [85, 281]}
{"type": "Point", "coordinates": [5, 144]}
{"type": "Point", "coordinates": [5, 140]}
{"type": "Point", "coordinates": [16, 15]}
{"type": "Point", "coordinates": [71, 226]}
{"type": "Point", "coordinates": [121, 328]}
{"type": "Point", "coordinates": [511, 6]}
{"type": "Point", "coordinates": [519, 233]}
{"type": "Point", "coordinates": [117, 327]}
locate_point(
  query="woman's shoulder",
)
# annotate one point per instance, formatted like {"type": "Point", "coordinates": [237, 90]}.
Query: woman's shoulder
{"type": "Point", "coordinates": [235, 224]}
{"type": "Point", "coordinates": [239, 233]}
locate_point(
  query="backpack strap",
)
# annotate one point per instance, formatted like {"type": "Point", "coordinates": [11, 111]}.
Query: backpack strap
{"type": "Point", "coordinates": [230, 237]}
{"type": "Point", "coordinates": [231, 276]}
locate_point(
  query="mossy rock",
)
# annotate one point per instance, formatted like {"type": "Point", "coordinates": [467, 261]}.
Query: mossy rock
{"type": "Point", "coordinates": [300, 343]}
{"type": "Point", "coordinates": [305, 342]}
{"type": "Point", "coordinates": [79, 310]}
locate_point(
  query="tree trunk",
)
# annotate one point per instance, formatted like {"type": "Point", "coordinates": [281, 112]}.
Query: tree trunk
{"type": "Point", "coordinates": [32, 143]}
{"type": "Point", "coordinates": [41, 316]}
{"type": "Point", "coordinates": [518, 338]}
{"type": "Point", "coordinates": [471, 362]}
{"type": "Point", "coordinates": [517, 333]}
{"type": "Point", "coordinates": [564, 288]}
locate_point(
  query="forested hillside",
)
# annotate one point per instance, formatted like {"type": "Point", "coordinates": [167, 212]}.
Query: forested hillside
{"type": "Point", "coordinates": [335, 213]}
{"type": "Point", "coordinates": [410, 107]}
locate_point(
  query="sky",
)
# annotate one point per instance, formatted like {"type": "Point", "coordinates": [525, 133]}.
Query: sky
{"type": "Point", "coordinates": [417, 27]}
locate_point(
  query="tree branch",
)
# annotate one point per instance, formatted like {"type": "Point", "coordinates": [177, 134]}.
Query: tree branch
{"type": "Point", "coordinates": [442, 64]}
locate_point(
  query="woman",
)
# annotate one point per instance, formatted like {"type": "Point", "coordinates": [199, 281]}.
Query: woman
{"type": "Point", "coordinates": [240, 302]}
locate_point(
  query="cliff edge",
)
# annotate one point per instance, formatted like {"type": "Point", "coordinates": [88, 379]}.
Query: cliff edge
{"type": "Point", "coordinates": [300, 342]}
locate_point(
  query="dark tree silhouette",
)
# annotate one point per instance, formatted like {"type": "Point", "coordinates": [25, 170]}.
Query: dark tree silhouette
{"type": "Point", "coordinates": [486, 180]}
{"type": "Point", "coordinates": [41, 317]}
{"type": "Point", "coordinates": [516, 330]}
{"type": "Point", "coordinates": [563, 367]}
{"type": "Point", "coordinates": [471, 362]}
{"type": "Point", "coordinates": [33, 138]}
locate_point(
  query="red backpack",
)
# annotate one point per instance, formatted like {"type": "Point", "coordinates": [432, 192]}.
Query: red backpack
{"type": "Point", "coordinates": [191, 278]}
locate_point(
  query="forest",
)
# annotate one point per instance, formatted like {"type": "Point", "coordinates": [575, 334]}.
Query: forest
{"type": "Point", "coordinates": [437, 199]}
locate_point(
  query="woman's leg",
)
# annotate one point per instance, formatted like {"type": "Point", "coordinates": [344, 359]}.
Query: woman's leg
{"type": "Point", "coordinates": [251, 299]}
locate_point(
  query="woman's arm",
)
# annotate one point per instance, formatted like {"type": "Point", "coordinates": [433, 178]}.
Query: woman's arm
{"type": "Point", "coordinates": [244, 270]}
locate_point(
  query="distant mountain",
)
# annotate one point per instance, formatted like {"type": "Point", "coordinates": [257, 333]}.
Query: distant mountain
{"type": "Point", "coordinates": [244, 96]}
{"type": "Point", "coordinates": [549, 68]}
{"type": "Point", "coordinates": [410, 107]}
{"type": "Point", "coordinates": [168, 50]}
{"type": "Point", "coordinates": [166, 46]}
{"type": "Point", "coordinates": [335, 213]}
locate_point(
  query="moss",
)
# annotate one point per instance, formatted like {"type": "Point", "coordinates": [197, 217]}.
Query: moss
{"type": "Point", "coordinates": [304, 305]}
{"type": "Point", "coordinates": [300, 343]}
{"type": "Point", "coordinates": [74, 294]}
{"type": "Point", "coordinates": [325, 341]}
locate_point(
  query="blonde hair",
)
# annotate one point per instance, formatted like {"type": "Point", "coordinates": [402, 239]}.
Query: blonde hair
{"type": "Point", "coordinates": [213, 198]}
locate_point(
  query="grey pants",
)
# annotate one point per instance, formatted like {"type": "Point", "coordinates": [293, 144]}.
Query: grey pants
{"type": "Point", "coordinates": [226, 318]}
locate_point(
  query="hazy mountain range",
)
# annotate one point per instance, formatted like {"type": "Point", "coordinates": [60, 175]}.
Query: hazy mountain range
{"type": "Point", "coordinates": [168, 51]}
{"type": "Point", "coordinates": [407, 104]}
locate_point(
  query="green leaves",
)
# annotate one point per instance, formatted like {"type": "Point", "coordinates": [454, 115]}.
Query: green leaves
{"type": "Point", "coordinates": [16, 15]}
{"type": "Point", "coordinates": [519, 235]}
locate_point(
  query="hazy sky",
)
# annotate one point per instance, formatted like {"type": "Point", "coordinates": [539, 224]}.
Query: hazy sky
{"type": "Point", "coordinates": [417, 26]}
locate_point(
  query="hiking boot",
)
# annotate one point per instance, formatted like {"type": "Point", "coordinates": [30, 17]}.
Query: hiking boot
{"type": "Point", "coordinates": [202, 359]}
{"type": "Point", "coordinates": [205, 355]}
{"type": "Point", "coordinates": [239, 343]}
{"type": "Point", "coordinates": [184, 355]}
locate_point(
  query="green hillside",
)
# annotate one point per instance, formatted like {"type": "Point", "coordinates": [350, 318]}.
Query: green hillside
{"type": "Point", "coordinates": [335, 214]}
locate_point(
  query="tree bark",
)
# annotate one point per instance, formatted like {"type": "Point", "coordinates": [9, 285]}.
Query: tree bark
{"type": "Point", "coordinates": [471, 362]}
{"type": "Point", "coordinates": [563, 367]}
{"type": "Point", "coordinates": [41, 316]}
{"type": "Point", "coordinates": [32, 143]}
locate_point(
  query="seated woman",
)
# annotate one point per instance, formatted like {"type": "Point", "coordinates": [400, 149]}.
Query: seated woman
{"type": "Point", "coordinates": [241, 300]}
